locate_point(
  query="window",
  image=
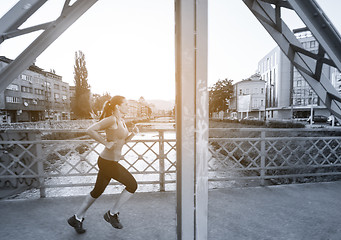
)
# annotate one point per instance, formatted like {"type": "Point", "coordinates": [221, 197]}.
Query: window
{"type": "Point", "coordinates": [26, 78]}
{"type": "Point", "coordinates": [13, 87]}
{"type": "Point", "coordinates": [56, 96]}
{"type": "Point", "coordinates": [39, 91]}
{"type": "Point", "coordinates": [56, 86]}
{"type": "Point", "coordinates": [262, 90]}
{"type": "Point", "coordinates": [299, 83]}
{"type": "Point", "coordinates": [64, 97]}
{"type": "Point", "coordinates": [262, 103]}
{"type": "Point", "coordinates": [26, 89]}
{"type": "Point", "coordinates": [240, 91]}
{"type": "Point", "coordinates": [313, 44]}
{"type": "Point", "coordinates": [38, 80]}
{"type": "Point", "coordinates": [255, 103]}
{"type": "Point", "coordinates": [12, 99]}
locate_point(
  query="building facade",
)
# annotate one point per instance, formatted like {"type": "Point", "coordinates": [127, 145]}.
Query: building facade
{"type": "Point", "coordinates": [288, 95]}
{"type": "Point", "coordinates": [34, 95]}
{"type": "Point", "coordinates": [139, 109]}
{"type": "Point", "coordinates": [249, 98]}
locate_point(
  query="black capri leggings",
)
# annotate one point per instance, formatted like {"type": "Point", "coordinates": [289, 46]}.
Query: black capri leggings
{"type": "Point", "coordinates": [112, 169]}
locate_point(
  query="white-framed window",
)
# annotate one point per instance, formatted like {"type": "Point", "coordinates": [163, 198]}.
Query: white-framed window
{"type": "Point", "coordinates": [12, 99]}
{"type": "Point", "coordinates": [13, 87]}
{"type": "Point", "coordinates": [26, 78]}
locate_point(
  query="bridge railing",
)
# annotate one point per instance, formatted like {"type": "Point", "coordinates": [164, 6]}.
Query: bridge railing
{"type": "Point", "coordinates": [29, 159]}
{"type": "Point", "coordinates": [277, 155]}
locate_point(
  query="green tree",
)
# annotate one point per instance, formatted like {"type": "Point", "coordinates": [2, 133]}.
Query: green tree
{"type": "Point", "coordinates": [219, 95]}
{"type": "Point", "coordinates": [98, 102]}
{"type": "Point", "coordinates": [82, 88]}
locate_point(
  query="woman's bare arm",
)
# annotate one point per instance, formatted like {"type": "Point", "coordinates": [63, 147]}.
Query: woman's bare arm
{"type": "Point", "coordinates": [101, 125]}
{"type": "Point", "coordinates": [135, 131]}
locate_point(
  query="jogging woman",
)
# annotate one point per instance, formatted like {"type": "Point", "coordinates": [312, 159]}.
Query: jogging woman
{"type": "Point", "coordinates": [117, 134]}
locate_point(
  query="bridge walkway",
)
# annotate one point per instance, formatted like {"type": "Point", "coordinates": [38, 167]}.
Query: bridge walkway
{"type": "Point", "coordinates": [297, 212]}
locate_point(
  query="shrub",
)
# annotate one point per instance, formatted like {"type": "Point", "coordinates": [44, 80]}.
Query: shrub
{"type": "Point", "coordinates": [282, 124]}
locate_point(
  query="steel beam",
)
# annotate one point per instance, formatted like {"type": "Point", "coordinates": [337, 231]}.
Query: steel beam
{"type": "Point", "coordinates": [69, 15]}
{"type": "Point", "coordinates": [320, 26]}
{"type": "Point", "coordinates": [191, 118]}
{"type": "Point", "coordinates": [18, 14]}
{"type": "Point", "coordinates": [308, 65]}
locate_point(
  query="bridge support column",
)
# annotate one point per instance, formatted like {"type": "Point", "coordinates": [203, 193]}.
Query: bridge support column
{"type": "Point", "coordinates": [191, 118]}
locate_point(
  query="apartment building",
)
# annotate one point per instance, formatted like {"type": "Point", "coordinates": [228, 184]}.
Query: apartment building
{"type": "Point", "coordinates": [249, 98]}
{"type": "Point", "coordinates": [288, 95]}
{"type": "Point", "coordinates": [138, 109]}
{"type": "Point", "coordinates": [34, 95]}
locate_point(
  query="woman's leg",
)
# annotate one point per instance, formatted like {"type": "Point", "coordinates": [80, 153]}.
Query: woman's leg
{"type": "Point", "coordinates": [87, 202]}
{"type": "Point", "coordinates": [76, 221]}
{"type": "Point", "coordinates": [123, 176]}
{"type": "Point", "coordinates": [124, 197]}
{"type": "Point", "coordinates": [102, 182]}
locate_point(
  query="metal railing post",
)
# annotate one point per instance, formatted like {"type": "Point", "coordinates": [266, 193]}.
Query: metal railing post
{"type": "Point", "coordinates": [262, 160]}
{"type": "Point", "coordinates": [162, 160]}
{"type": "Point", "coordinates": [41, 178]}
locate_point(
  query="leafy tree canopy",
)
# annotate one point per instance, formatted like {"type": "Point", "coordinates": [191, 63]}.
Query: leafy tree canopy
{"type": "Point", "coordinates": [82, 88]}
{"type": "Point", "coordinates": [219, 95]}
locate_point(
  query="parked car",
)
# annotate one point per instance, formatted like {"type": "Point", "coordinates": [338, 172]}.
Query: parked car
{"type": "Point", "coordinates": [318, 119]}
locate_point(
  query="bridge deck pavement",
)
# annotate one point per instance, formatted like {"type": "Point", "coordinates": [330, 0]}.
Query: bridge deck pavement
{"type": "Point", "coordinates": [300, 211]}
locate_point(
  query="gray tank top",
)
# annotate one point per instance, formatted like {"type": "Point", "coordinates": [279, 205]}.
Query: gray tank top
{"type": "Point", "coordinates": [118, 135]}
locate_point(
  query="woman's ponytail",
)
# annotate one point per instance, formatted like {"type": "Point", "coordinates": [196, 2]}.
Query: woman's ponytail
{"type": "Point", "coordinates": [106, 110]}
{"type": "Point", "coordinates": [109, 106]}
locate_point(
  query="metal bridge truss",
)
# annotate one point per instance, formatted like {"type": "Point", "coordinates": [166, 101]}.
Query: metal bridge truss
{"type": "Point", "coordinates": [268, 12]}
{"type": "Point", "coordinates": [308, 64]}
{"type": "Point", "coordinates": [15, 17]}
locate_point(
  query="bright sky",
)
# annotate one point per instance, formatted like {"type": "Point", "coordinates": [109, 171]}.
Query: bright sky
{"type": "Point", "coordinates": [129, 44]}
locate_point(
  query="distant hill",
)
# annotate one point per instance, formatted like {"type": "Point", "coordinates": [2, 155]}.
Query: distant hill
{"type": "Point", "coordinates": [162, 104]}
